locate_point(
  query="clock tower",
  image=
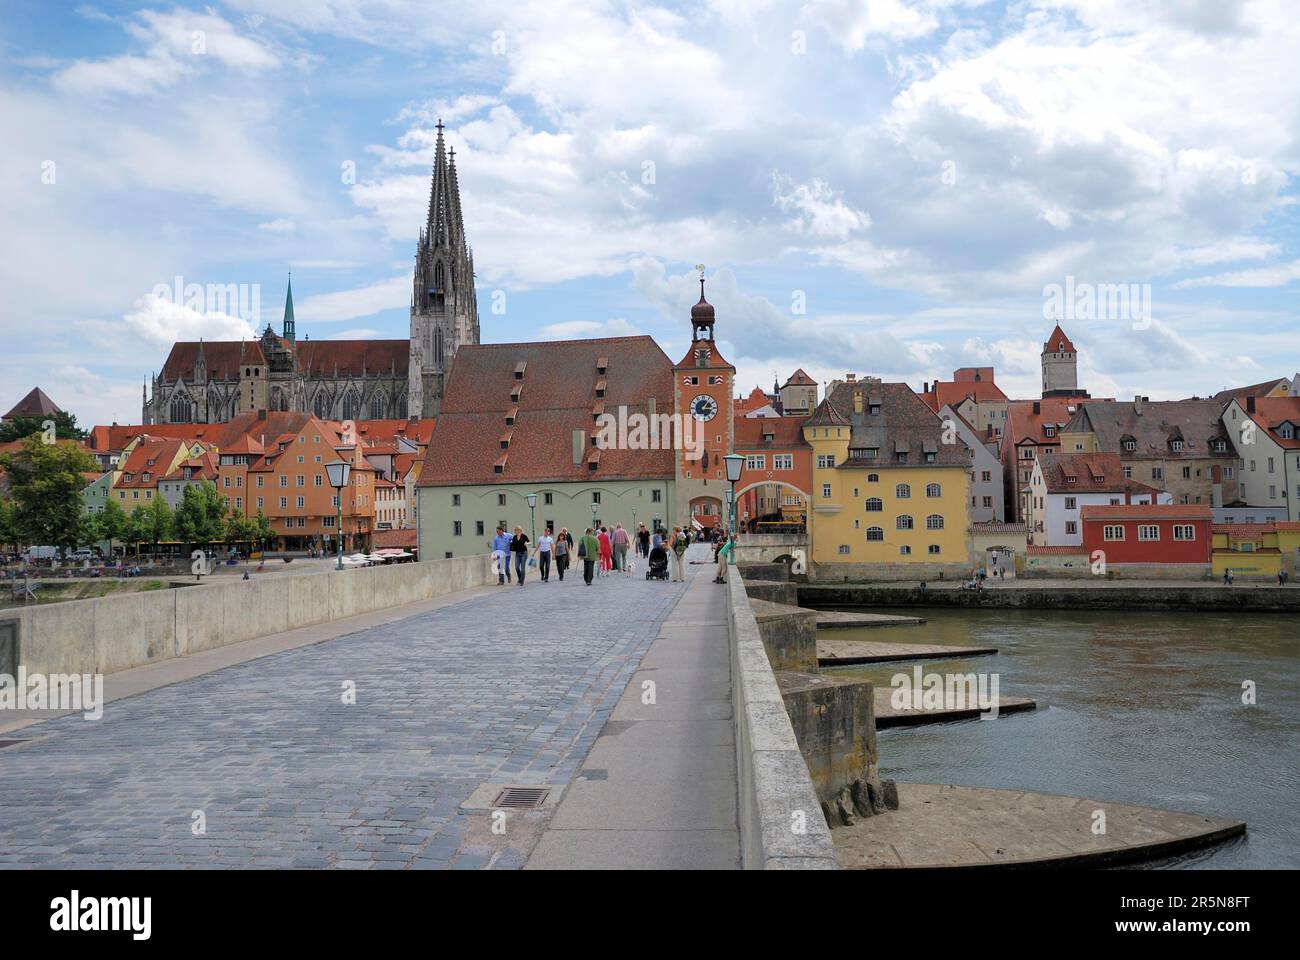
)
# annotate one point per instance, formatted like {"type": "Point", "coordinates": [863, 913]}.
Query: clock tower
{"type": "Point", "coordinates": [703, 391]}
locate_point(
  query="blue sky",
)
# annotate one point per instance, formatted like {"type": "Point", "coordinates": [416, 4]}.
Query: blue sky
{"type": "Point", "coordinates": [916, 171]}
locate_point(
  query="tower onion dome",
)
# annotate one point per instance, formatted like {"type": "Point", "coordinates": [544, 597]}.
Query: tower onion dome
{"type": "Point", "coordinates": [702, 311]}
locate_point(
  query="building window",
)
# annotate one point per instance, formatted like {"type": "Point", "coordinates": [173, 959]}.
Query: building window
{"type": "Point", "coordinates": [875, 533]}
{"type": "Point", "coordinates": [825, 461]}
{"type": "Point", "coordinates": [905, 550]}
{"type": "Point", "coordinates": [595, 496]}
{"type": "Point", "coordinates": [903, 491]}
{"type": "Point", "coordinates": [1115, 532]}
{"type": "Point", "coordinates": [1157, 473]}
{"type": "Point", "coordinates": [501, 499]}
{"type": "Point", "coordinates": [1148, 532]}
{"type": "Point", "coordinates": [904, 522]}
{"type": "Point", "coordinates": [826, 490]}
{"type": "Point", "coordinates": [988, 502]}
{"type": "Point", "coordinates": [874, 505]}
{"type": "Point", "coordinates": [301, 503]}
{"type": "Point", "coordinates": [1184, 531]}
{"type": "Point", "coordinates": [1071, 503]}
{"type": "Point", "coordinates": [455, 528]}
{"type": "Point", "coordinates": [933, 549]}
{"type": "Point", "coordinates": [1176, 446]}
{"type": "Point", "coordinates": [933, 490]}
{"type": "Point", "coordinates": [986, 476]}
{"type": "Point", "coordinates": [782, 461]}
{"type": "Point", "coordinates": [1071, 526]}
{"type": "Point", "coordinates": [873, 478]}
{"type": "Point", "coordinates": [934, 522]}
{"type": "Point", "coordinates": [284, 480]}
{"type": "Point", "coordinates": [756, 461]}
{"type": "Point", "coordinates": [548, 499]}
{"type": "Point", "coordinates": [844, 549]}
{"type": "Point", "coordinates": [284, 503]}
{"type": "Point", "coordinates": [300, 481]}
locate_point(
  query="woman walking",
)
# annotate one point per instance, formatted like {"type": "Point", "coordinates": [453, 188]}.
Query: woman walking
{"type": "Point", "coordinates": [588, 548]}
{"type": "Point", "coordinates": [643, 541]}
{"type": "Point", "coordinates": [519, 550]}
{"type": "Point", "coordinates": [545, 546]}
{"type": "Point", "coordinates": [563, 543]}
{"type": "Point", "coordinates": [606, 551]}
{"type": "Point", "coordinates": [677, 554]}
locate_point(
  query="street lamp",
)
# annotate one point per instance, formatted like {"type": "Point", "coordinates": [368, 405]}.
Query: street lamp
{"type": "Point", "coordinates": [735, 464]}
{"type": "Point", "coordinates": [339, 472]}
{"type": "Point", "coordinates": [532, 514]}
{"type": "Point", "coordinates": [594, 508]}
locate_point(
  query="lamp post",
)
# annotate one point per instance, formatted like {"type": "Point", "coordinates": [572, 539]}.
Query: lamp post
{"type": "Point", "coordinates": [594, 508]}
{"type": "Point", "coordinates": [339, 471]}
{"type": "Point", "coordinates": [532, 515]}
{"type": "Point", "coordinates": [735, 464]}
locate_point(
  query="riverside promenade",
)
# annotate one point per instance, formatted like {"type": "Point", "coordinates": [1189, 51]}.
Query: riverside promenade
{"type": "Point", "coordinates": [252, 755]}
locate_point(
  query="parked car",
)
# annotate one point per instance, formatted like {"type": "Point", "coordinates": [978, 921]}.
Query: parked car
{"type": "Point", "coordinates": [85, 553]}
{"type": "Point", "coordinates": [41, 553]}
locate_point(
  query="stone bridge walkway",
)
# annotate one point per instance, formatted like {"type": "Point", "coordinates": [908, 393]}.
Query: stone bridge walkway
{"type": "Point", "coordinates": [508, 686]}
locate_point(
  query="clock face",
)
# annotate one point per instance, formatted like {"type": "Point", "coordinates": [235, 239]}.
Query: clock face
{"type": "Point", "coordinates": [704, 408]}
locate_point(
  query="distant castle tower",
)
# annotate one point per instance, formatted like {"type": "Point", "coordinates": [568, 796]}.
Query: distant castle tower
{"type": "Point", "coordinates": [444, 308]}
{"type": "Point", "coordinates": [1060, 366]}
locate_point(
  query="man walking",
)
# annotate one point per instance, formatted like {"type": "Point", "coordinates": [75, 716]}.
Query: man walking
{"type": "Point", "coordinates": [589, 547]}
{"type": "Point", "coordinates": [501, 556]}
{"type": "Point", "coordinates": [621, 540]}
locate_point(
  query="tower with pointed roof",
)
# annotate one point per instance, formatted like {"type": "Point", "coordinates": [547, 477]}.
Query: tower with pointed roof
{"type": "Point", "coordinates": [444, 308]}
{"type": "Point", "coordinates": [289, 333]}
{"type": "Point", "coordinates": [1060, 365]}
{"type": "Point", "coordinates": [704, 400]}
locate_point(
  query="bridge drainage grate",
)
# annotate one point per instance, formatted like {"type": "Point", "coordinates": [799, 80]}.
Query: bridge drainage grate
{"type": "Point", "coordinates": [521, 798]}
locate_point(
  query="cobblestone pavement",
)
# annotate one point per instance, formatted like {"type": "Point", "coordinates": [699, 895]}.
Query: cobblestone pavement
{"type": "Point", "coordinates": [510, 687]}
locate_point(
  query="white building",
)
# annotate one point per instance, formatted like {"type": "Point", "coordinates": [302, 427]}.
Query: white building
{"type": "Point", "coordinates": [1063, 484]}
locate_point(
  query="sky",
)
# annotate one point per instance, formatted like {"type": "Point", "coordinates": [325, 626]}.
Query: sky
{"type": "Point", "coordinates": [886, 187]}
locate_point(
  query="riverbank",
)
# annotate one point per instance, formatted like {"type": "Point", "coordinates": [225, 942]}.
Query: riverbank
{"type": "Point", "coordinates": [1057, 594]}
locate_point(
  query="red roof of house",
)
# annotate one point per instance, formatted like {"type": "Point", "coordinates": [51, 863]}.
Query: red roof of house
{"type": "Point", "coordinates": [555, 397]}
{"type": "Point", "coordinates": [1244, 530]}
{"type": "Point", "coordinates": [799, 379]}
{"type": "Point", "coordinates": [1147, 511]}
{"type": "Point", "coordinates": [785, 432]}
{"type": "Point", "coordinates": [390, 539]}
{"type": "Point", "coordinates": [221, 358]}
{"type": "Point", "coordinates": [1044, 550]}
{"type": "Point", "coordinates": [756, 400]}
{"type": "Point", "coordinates": [953, 392]}
{"type": "Point", "coordinates": [1092, 473]}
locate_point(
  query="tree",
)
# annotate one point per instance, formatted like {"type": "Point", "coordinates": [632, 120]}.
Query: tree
{"type": "Point", "coordinates": [240, 529]}
{"type": "Point", "coordinates": [46, 482]}
{"type": "Point", "coordinates": [201, 517]}
{"type": "Point", "coordinates": [19, 428]}
{"type": "Point", "coordinates": [112, 522]}
{"type": "Point", "coordinates": [159, 521]}
{"type": "Point", "coordinates": [265, 531]}
{"type": "Point", "coordinates": [8, 524]}
{"type": "Point", "coordinates": [136, 529]}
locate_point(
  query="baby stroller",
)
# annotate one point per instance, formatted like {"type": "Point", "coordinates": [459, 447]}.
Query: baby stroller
{"type": "Point", "coordinates": [658, 564]}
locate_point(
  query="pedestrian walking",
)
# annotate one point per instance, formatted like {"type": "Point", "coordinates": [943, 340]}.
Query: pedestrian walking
{"type": "Point", "coordinates": [519, 549]}
{"type": "Point", "coordinates": [589, 551]}
{"type": "Point", "coordinates": [643, 541]}
{"type": "Point", "coordinates": [545, 546]}
{"type": "Point", "coordinates": [563, 544]}
{"type": "Point", "coordinates": [606, 551]}
{"type": "Point", "coordinates": [501, 556]}
{"type": "Point", "coordinates": [676, 556]}
{"type": "Point", "coordinates": [620, 541]}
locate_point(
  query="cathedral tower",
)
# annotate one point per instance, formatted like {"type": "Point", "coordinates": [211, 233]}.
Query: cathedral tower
{"type": "Point", "coordinates": [444, 309]}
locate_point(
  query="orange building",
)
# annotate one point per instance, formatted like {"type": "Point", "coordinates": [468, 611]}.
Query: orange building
{"type": "Point", "coordinates": [777, 479]}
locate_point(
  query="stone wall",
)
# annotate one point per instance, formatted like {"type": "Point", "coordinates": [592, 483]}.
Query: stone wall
{"type": "Point", "coordinates": [1115, 595]}
{"type": "Point", "coordinates": [114, 633]}
{"type": "Point", "coordinates": [876, 572]}
{"type": "Point", "coordinates": [835, 724]}
{"type": "Point", "coordinates": [789, 635]}
{"type": "Point", "coordinates": [781, 821]}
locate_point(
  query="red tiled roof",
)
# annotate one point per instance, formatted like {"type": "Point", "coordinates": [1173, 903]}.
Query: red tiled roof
{"type": "Point", "coordinates": [1058, 337]}
{"type": "Point", "coordinates": [756, 400]}
{"type": "Point", "coordinates": [221, 358]}
{"type": "Point", "coordinates": [1253, 390]}
{"type": "Point", "coordinates": [799, 379]}
{"type": "Point", "coordinates": [352, 358]}
{"type": "Point", "coordinates": [1271, 412]}
{"type": "Point", "coordinates": [1144, 511]}
{"type": "Point", "coordinates": [1244, 530]}
{"type": "Point", "coordinates": [785, 431]}
{"type": "Point", "coordinates": [417, 431]}
{"type": "Point", "coordinates": [390, 539]}
{"type": "Point", "coordinates": [953, 392]}
{"type": "Point", "coordinates": [1092, 472]}
{"type": "Point", "coordinates": [1036, 550]}
{"type": "Point", "coordinates": [559, 392]}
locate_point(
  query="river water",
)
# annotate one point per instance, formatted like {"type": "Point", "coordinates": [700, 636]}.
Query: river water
{"type": "Point", "coordinates": [1133, 707]}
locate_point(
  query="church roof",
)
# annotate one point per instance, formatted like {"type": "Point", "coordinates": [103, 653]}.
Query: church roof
{"type": "Point", "coordinates": [322, 359]}
{"type": "Point", "coordinates": [221, 358]}
{"type": "Point", "coordinates": [553, 399]}
{"type": "Point", "coordinates": [35, 404]}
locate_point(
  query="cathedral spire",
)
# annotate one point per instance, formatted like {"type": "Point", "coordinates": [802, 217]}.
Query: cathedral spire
{"type": "Point", "coordinates": [290, 333]}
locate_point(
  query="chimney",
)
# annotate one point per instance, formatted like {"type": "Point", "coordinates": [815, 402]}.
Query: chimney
{"type": "Point", "coordinates": [1038, 407]}
{"type": "Point", "coordinates": [850, 377]}
{"type": "Point", "coordinates": [925, 386]}
{"type": "Point", "coordinates": [1216, 488]}
{"type": "Point", "coordinates": [1137, 405]}
{"type": "Point", "coordinates": [1250, 404]}
{"type": "Point", "coordinates": [579, 446]}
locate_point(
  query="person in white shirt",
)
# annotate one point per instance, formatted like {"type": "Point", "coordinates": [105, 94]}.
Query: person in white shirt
{"type": "Point", "coordinates": [543, 553]}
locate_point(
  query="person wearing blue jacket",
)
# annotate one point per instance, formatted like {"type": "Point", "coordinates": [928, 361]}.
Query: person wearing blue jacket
{"type": "Point", "coordinates": [501, 555]}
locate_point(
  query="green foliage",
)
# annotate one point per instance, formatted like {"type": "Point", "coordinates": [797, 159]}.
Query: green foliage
{"type": "Point", "coordinates": [201, 517]}
{"type": "Point", "coordinates": [46, 483]}
{"type": "Point", "coordinates": [8, 523]}
{"type": "Point", "coordinates": [240, 529]}
{"type": "Point", "coordinates": [65, 427]}
{"type": "Point", "coordinates": [112, 521]}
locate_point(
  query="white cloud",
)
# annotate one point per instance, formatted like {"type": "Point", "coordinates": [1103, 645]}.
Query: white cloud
{"type": "Point", "coordinates": [161, 321]}
{"type": "Point", "coordinates": [281, 225]}
{"type": "Point", "coordinates": [1278, 275]}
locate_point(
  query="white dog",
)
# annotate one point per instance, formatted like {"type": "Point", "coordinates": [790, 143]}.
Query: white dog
{"type": "Point", "coordinates": [629, 566]}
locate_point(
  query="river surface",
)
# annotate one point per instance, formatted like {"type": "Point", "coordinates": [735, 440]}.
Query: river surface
{"type": "Point", "coordinates": [1133, 707]}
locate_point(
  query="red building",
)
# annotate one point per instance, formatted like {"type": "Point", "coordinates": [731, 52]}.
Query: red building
{"type": "Point", "coordinates": [1149, 533]}
{"type": "Point", "coordinates": [777, 479]}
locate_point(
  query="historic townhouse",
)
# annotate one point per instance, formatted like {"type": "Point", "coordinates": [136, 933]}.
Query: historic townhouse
{"type": "Point", "coordinates": [1173, 446]}
{"type": "Point", "coordinates": [973, 394]}
{"type": "Point", "coordinates": [1064, 484]}
{"type": "Point", "coordinates": [888, 491]}
{"type": "Point", "coordinates": [1033, 429]}
{"type": "Point", "coordinates": [986, 491]}
{"type": "Point", "coordinates": [777, 478]}
{"type": "Point", "coordinates": [1266, 431]}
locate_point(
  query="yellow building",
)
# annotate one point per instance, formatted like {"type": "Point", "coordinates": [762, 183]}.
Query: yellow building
{"type": "Point", "coordinates": [1256, 550]}
{"type": "Point", "coordinates": [890, 487]}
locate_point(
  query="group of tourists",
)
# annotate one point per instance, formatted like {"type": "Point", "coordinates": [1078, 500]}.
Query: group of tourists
{"type": "Point", "coordinates": [603, 551]}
